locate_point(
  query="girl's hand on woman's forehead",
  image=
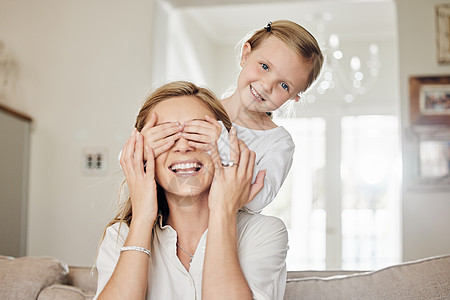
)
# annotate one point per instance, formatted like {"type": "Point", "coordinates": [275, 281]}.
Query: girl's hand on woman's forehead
{"type": "Point", "coordinates": [160, 137]}
{"type": "Point", "coordinates": [201, 133]}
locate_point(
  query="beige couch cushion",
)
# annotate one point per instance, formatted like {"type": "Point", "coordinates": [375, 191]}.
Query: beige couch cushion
{"type": "Point", "coordinates": [25, 277]}
{"type": "Point", "coordinates": [66, 292]}
{"type": "Point", "coordinates": [83, 277]}
{"type": "Point", "coordinates": [424, 279]}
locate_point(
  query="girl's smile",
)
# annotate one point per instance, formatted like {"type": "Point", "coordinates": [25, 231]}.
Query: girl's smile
{"type": "Point", "coordinates": [256, 94]}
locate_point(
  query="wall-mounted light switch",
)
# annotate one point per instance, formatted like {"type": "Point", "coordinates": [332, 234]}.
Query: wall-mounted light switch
{"type": "Point", "coordinates": [94, 161]}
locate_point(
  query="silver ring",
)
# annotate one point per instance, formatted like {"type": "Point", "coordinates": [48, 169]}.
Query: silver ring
{"type": "Point", "coordinates": [229, 164]}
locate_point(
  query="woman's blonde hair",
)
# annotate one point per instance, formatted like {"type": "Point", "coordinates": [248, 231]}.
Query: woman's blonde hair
{"type": "Point", "coordinates": [298, 39]}
{"type": "Point", "coordinates": [169, 90]}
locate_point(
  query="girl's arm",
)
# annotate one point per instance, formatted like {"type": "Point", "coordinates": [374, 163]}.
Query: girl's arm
{"type": "Point", "coordinates": [130, 276]}
{"type": "Point", "coordinates": [277, 161]}
{"type": "Point", "coordinates": [223, 277]}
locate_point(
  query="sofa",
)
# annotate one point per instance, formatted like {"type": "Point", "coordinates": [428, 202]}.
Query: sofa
{"type": "Point", "coordinates": [45, 278]}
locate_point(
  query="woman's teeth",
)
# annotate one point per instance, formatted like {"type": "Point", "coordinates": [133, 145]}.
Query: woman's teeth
{"type": "Point", "coordinates": [186, 168]}
{"type": "Point", "coordinates": [255, 93]}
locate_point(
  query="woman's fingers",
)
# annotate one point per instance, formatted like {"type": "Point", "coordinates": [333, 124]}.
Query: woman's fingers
{"type": "Point", "coordinates": [150, 166]}
{"type": "Point", "coordinates": [152, 121]}
{"type": "Point", "coordinates": [217, 161]}
{"type": "Point", "coordinates": [127, 151]}
{"type": "Point", "coordinates": [234, 146]}
{"type": "Point", "coordinates": [138, 157]}
{"type": "Point", "coordinates": [244, 154]}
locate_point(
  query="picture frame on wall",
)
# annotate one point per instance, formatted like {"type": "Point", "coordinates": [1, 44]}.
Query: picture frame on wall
{"type": "Point", "coordinates": [428, 158]}
{"type": "Point", "coordinates": [443, 33]}
{"type": "Point", "coordinates": [434, 158]}
{"type": "Point", "coordinates": [430, 100]}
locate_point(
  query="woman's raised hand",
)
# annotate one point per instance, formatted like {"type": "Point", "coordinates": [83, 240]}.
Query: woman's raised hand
{"type": "Point", "coordinates": [160, 137]}
{"type": "Point", "coordinates": [232, 186]}
{"type": "Point", "coordinates": [140, 179]}
{"type": "Point", "coordinates": [200, 133]}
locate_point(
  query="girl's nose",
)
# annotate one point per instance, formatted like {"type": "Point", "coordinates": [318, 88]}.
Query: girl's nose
{"type": "Point", "coordinates": [182, 145]}
{"type": "Point", "coordinates": [267, 84]}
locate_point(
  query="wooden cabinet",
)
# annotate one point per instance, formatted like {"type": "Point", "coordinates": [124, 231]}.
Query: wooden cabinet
{"type": "Point", "coordinates": [14, 163]}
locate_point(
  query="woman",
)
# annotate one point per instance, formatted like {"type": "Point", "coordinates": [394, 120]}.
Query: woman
{"type": "Point", "coordinates": [180, 234]}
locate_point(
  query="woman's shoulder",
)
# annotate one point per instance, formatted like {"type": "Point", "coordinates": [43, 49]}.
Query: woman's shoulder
{"type": "Point", "coordinates": [257, 232]}
{"type": "Point", "coordinates": [117, 230]}
{"type": "Point", "coordinates": [259, 222]}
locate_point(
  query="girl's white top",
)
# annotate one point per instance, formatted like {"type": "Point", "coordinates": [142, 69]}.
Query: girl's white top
{"type": "Point", "coordinates": [274, 150]}
{"type": "Point", "coordinates": [262, 248]}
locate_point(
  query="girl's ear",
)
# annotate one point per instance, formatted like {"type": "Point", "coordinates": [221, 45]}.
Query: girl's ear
{"type": "Point", "coordinates": [297, 98]}
{"type": "Point", "coordinates": [245, 53]}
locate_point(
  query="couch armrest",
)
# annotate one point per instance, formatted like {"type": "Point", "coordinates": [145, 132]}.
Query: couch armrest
{"type": "Point", "coordinates": [84, 278]}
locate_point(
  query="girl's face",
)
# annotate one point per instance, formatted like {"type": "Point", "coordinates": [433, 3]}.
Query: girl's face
{"type": "Point", "coordinates": [183, 171]}
{"type": "Point", "coordinates": [271, 74]}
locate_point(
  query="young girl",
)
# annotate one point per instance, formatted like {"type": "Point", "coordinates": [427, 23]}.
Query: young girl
{"type": "Point", "coordinates": [278, 63]}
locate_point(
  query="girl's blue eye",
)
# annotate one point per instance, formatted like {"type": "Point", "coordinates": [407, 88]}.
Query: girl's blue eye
{"type": "Point", "coordinates": [265, 67]}
{"type": "Point", "coordinates": [285, 86]}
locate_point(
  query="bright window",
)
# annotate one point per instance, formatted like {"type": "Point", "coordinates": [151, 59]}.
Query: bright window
{"type": "Point", "coordinates": [370, 192]}
{"type": "Point", "coordinates": [369, 200]}
{"type": "Point", "coordinates": [300, 202]}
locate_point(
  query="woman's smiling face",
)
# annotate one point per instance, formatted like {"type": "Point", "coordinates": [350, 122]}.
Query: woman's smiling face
{"type": "Point", "coordinates": [183, 171]}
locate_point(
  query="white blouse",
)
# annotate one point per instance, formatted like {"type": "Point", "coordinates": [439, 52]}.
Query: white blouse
{"type": "Point", "coordinates": [262, 249]}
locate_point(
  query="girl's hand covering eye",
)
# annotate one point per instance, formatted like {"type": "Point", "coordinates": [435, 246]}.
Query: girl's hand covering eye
{"type": "Point", "coordinates": [160, 137]}
{"type": "Point", "coordinates": [200, 133]}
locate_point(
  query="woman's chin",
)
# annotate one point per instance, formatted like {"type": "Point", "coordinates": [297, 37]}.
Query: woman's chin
{"type": "Point", "coordinates": [187, 197]}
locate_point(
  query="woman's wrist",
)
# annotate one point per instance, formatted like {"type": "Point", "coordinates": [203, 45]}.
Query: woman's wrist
{"type": "Point", "coordinates": [222, 216]}
{"type": "Point", "coordinates": [143, 222]}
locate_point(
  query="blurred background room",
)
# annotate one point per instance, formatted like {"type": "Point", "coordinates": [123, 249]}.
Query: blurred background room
{"type": "Point", "coordinates": [369, 186]}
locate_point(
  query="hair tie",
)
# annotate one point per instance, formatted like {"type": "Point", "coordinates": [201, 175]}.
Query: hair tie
{"type": "Point", "coordinates": [268, 27]}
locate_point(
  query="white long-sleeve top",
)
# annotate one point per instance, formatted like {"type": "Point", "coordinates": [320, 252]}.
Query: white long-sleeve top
{"type": "Point", "coordinates": [274, 150]}
{"type": "Point", "coordinates": [262, 248]}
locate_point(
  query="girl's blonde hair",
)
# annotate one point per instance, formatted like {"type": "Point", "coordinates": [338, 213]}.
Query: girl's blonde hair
{"type": "Point", "coordinates": [170, 90]}
{"type": "Point", "coordinates": [298, 39]}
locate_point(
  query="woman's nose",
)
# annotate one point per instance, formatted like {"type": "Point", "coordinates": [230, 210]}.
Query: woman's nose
{"type": "Point", "coordinates": [182, 145]}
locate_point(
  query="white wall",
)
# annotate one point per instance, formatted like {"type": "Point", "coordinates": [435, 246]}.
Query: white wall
{"type": "Point", "coordinates": [186, 51]}
{"type": "Point", "coordinates": [426, 222]}
{"type": "Point", "coordinates": [83, 69]}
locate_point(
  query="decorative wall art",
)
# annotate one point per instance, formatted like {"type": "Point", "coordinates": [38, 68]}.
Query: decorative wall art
{"type": "Point", "coordinates": [443, 33]}
{"type": "Point", "coordinates": [430, 100]}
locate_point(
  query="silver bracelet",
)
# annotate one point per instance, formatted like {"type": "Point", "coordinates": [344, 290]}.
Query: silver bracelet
{"type": "Point", "coordinates": [135, 248]}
